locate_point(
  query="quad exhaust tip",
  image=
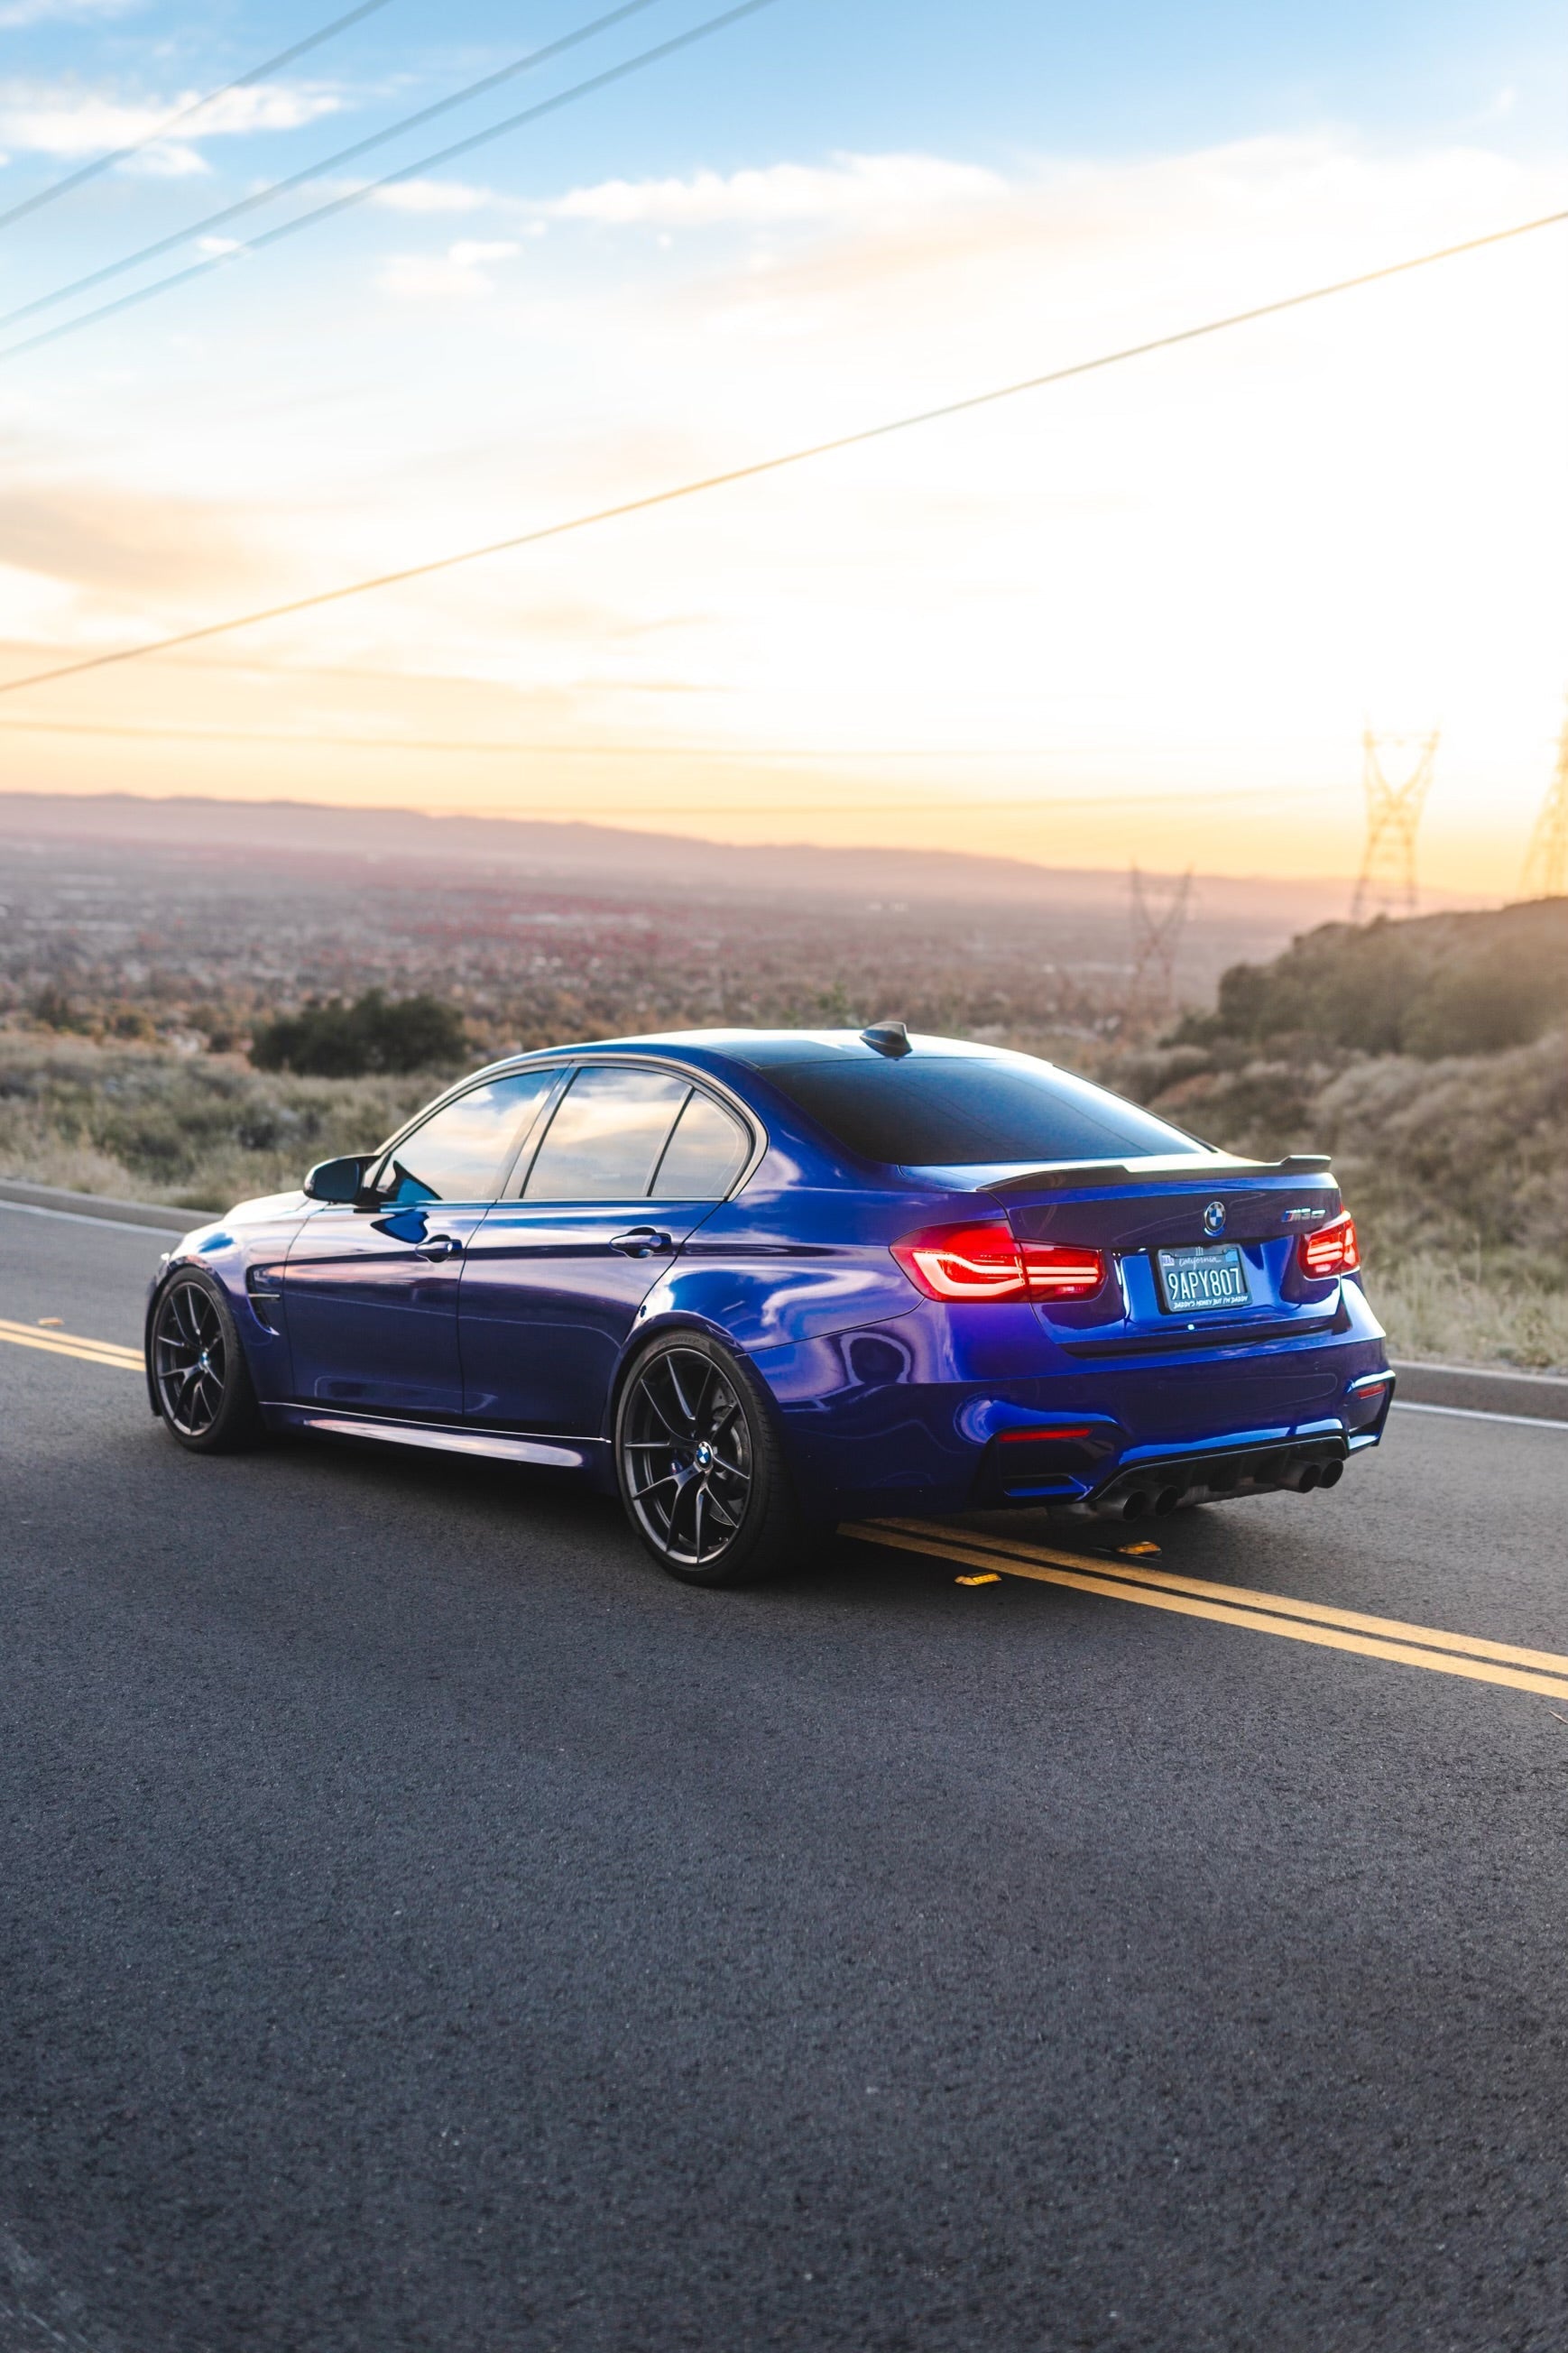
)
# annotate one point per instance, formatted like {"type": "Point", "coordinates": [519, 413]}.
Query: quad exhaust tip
{"type": "Point", "coordinates": [1161, 1502]}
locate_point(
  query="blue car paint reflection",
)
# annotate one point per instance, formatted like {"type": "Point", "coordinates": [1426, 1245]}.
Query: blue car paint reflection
{"type": "Point", "coordinates": [514, 1319]}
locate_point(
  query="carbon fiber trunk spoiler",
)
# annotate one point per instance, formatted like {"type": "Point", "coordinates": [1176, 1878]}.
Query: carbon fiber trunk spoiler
{"type": "Point", "coordinates": [1102, 1172]}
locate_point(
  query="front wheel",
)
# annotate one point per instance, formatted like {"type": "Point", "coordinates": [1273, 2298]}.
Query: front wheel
{"type": "Point", "coordinates": [700, 1468]}
{"type": "Point", "coordinates": [200, 1377]}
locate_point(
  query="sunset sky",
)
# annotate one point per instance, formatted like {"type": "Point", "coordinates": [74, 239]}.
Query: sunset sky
{"type": "Point", "coordinates": [1145, 614]}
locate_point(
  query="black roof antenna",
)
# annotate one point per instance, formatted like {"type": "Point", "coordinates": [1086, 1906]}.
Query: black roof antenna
{"type": "Point", "coordinates": [889, 1038]}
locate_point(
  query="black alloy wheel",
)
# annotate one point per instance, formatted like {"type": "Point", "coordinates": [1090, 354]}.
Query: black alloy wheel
{"type": "Point", "coordinates": [701, 1468]}
{"type": "Point", "coordinates": [199, 1373]}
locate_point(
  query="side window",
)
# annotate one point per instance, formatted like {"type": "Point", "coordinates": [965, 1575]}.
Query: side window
{"type": "Point", "coordinates": [604, 1141]}
{"type": "Point", "coordinates": [705, 1154]}
{"type": "Point", "coordinates": [461, 1152]}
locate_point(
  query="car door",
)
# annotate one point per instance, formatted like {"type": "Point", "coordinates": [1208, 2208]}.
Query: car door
{"type": "Point", "coordinates": [370, 1292]}
{"type": "Point", "coordinates": [632, 1158]}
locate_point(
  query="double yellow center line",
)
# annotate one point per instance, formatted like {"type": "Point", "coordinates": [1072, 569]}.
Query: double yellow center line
{"type": "Point", "coordinates": [66, 1344]}
{"type": "Point", "coordinates": [1390, 1639]}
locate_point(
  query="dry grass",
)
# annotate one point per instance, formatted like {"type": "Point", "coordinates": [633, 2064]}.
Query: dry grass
{"type": "Point", "coordinates": [1436, 1309]}
{"type": "Point", "coordinates": [199, 1132]}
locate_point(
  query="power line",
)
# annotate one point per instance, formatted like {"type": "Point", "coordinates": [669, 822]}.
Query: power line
{"type": "Point", "coordinates": [407, 171]}
{"type": "Point", "coordinates": [763, 465]}
{"type": "Point", "coordinates": [756, 755]}
{"type": "Point", "coordinates": [198, 106]}
{"type": "Point", "coordinates": [1176, 798]}
{"type": "Point", "coordinates": [526, 64]}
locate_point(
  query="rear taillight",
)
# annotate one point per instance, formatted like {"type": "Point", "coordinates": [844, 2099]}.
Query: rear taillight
{"type": "Point", "coordinates": [1331, 1250]}
{"type": "Point", "coordinates": [1054, 1272]}
{"type": "Point", "coordinates": [988, 1262]}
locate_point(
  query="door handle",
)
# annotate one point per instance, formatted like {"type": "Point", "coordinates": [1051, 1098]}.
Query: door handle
{"type": "Point", "coordinates": [642, 1241]}
{"type": "Point", "coordinates": [439, 1246]}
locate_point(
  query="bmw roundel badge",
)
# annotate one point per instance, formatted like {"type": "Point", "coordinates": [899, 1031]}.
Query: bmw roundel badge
{"type": "Point", "coordinates": [1213, 1218]}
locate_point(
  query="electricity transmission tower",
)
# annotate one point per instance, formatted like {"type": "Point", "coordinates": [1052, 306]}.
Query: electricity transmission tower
{"type": "Point", "coordinates": [1545, 874]}
{"type": "Point", "coordinates": [1386, 884]}
{"type": "Point", "coordinates": [1158, 914]}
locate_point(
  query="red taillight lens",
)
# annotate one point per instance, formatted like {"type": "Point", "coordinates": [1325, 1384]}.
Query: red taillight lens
{"type": "Point", "coordinates": [1333, 1250]}
{"type": "Point", "coordinates": [1055, 1273]}
{"type": "Point", "coordinates": [965, 1261]}
{"type": "Point", "coordinates": [988, 1262]}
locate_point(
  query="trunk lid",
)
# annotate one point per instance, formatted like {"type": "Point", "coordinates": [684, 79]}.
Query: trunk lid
{"type": "Point", "coordinates": [1213, 1204]}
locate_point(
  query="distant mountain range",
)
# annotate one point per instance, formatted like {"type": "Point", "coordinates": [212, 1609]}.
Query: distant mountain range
{"type": "Point", "coordinates": [1257, 914]}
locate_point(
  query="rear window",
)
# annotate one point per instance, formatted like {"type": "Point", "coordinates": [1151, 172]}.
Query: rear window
{"type": "Point", "coordinates": [929, 1111]}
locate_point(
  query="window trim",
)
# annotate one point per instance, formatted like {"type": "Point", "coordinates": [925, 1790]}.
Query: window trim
{"type": "Point", "coordinates": [565, 1060]}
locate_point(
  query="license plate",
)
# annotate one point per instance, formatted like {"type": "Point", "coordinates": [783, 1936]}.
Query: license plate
{"type": "Point", "coordinates": [1210, 1275]}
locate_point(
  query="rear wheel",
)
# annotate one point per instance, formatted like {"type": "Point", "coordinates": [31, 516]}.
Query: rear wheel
{"type": "Point", "coordinates": [200, 1377]}
{"type": "Point", "coordinates": [700, 1468]}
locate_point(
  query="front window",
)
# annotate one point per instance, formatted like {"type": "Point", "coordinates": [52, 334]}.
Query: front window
{"type": "Point", "coordinates": [461, 1152]}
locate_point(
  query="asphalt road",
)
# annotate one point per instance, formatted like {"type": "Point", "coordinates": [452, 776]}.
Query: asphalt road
{"type": "Point", "coordinates": [425, 1926]}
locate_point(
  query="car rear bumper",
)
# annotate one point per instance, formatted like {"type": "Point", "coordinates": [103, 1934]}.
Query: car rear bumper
{"type": "Point", "coordinates": [866, 1434]}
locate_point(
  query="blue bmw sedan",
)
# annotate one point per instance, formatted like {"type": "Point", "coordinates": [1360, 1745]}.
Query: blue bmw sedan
{"type": "Point", "coordinates": [761, 1280]}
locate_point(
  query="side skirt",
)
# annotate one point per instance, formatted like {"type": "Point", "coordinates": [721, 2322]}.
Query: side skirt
{"type": "Point", "coordinates": [493, 1445]}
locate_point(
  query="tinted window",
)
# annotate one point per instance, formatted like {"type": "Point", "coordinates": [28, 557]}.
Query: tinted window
{"type": "Point", "coordinates": [930, 1112]}
{"type": "Point", "coordinates": [461, 1153]}
{"type": "Point", "coordinates": [706, 1154]}
{"type": "Point", "coordinates": [605, 1138]}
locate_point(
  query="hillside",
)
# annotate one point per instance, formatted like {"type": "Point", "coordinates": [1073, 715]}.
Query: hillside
{"type": "Point", "coordinates": [1431, 1059]}
{"type": "Point", "coordinates": [1438, 985]}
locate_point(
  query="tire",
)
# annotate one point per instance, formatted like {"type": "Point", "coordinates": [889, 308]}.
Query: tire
{"type": "Point", "coordinates": [197, 1368]}
{"type": "Point", "coordinates": [700, 1464]}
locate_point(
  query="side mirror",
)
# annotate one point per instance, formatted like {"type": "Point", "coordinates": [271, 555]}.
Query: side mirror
{"type": "Point", "coordinates": [339, 1180]}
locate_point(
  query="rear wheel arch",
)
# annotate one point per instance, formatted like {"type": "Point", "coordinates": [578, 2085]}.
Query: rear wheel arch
{"type": "Point", "coordinates": [643, 1337]}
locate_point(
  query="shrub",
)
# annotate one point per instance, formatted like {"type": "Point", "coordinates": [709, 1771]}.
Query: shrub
{"type": "Point", "coordinates": [333, 1040]}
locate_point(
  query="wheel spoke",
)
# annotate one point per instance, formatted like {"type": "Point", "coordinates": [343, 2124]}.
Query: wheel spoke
{"type": "Point", "coordinates": [644, 1391]}
{"type": "Point", "coordinates": [696, 1520]}
{"type": "Point", "coordinates": [710, 1381]}
{"type": "Point", "coordinates": [687, 1487]}
{"type": "Point", "coordinates": [640, 1494]}
{"type": "Point", "coordinates": [674, 1379]}
{"type": "Point", "coordinates": [717, 1506]}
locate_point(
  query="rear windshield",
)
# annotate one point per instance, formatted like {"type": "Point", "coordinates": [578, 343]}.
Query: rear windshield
{"type": "Point", "coordinates": [929, 1111]}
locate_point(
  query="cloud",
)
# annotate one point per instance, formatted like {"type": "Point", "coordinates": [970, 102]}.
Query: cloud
{"type": "Point", "coordinates": [97, 538]}
{"type": "Point", "coordinates": [20, 13]}
{"type": "Point", "coordinates": [458, 274]}
{"type": "Point", "coordinates": [1205, 566]}
{"type": "Point", "coordinates": [44, 119]}
{"type": "Point", "coordinates": [851, 189]}
{"type": "Point", "coordinates": [434, 196]}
